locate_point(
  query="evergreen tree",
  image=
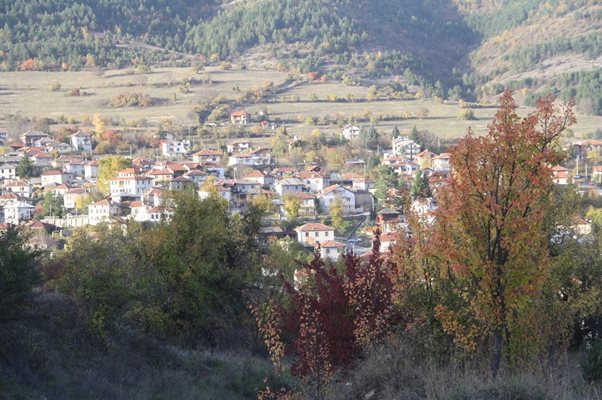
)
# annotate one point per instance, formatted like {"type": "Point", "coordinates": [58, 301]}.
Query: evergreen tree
{"type": "Point", "coordinates": [26, 169]}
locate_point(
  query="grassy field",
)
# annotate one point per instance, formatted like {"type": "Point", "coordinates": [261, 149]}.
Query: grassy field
{"type": "Point", "coordinates": [38, 94]}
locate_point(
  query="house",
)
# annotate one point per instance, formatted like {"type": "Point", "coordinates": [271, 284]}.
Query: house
{"type": "Point", "coordinates": [424, 159]}
{"type": "Point", "coordinates": [102, 211]}
{"type": "Point", "coordinates": [404, 168]}
{"type": "Point", "coordinates": [441, 163]}
{"type": "Point", "coordinates": [154, 197]}
{"type": "Point", "coordinates": [387, 241]}
{"type": "Point", "coordinates": [57, 190]}
{"type": "Point", "coordinates": [331, 249]}
{"type": "Point", "coordinates": [91, 170]}
{"type": "Point", "coordinates": [315, 181]}
{"type": "Point", "coordinates": [160, 177]}
{"type": "Point", "coordinates": [334, 193]}
{"type": "Point", "coordinates": [240, 117]}
{"type": "Point", "coordinates": [388, 220]}
{"type": "Point", "coordinates": [30, 137]}
{"type": "Point", "coordinates": [81, 141]}
{"type": "Point", "coordinates": [561, 175]}
{"type": "Point", "coordinates": [170, 148]}
{"type": "Point", "coordinates": [424, 208]}
{"type": "Point", "coordinates": [307, 208]}
{"type": "Point", "coordinates": [238, 147]}
{"type": "Point", "coordinates": [581, 226]}
{"type": "Point", "coordinates": [75, 168]}
{"type": "Point", "coordinates": [8, 171]}
{"type": "Point", "coordinates": [351, 132]}
{"type": "Point", "coordinates": [142, 164]}
{"type": "Point", "coordinates": [312, 233]}
{"type": "Point", "coordinates": [244, 186]}
{"type": "Point", "coordinates": [196, 176]}
{"type": "Point", "coordinates": [257, 157]}
{"type": "Point", "coordinates": [144, 213]}
{"type": "Point", "coordinates": [364, 200]}
{"type": "Point", "coordinates": [7, 198]}
{"type": "Point", "coordinates": [42, 159]}
{"type": "Point", "coordinates": [129, 187]}
{"type": "Point", "coordinates": [214, 169]}
{"type": "Point", "coordinates": [207, 156]}
{"type": "Point", "coordinates": [358, 181]}
{"type": "Point", "coordinates": [260, 177]}
{"type": "Point", "coordinates": [222, 191]}
{"type": "Point", "coordinates": [285, 186]}
{"type": "Point", "coordinates": [283, 172]}
{"type": "Point", "coordinates": [179, 184]}
{"type": "Point", "coordinates": [402, 146]}
{"type": "Point", "coordinates": [20, 187]}
{"type": "Point", "coordinates": [17, 211]}
{"type": "Point", "coordinates": [55, 177]}
{"type": "Point", "coordinates": [73, 196]}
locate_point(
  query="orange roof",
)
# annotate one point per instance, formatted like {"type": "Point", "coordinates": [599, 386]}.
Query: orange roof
{"type": "Point", "coordinates": [255, 174]}
{"type": "Point", "coordinates": [239, 113]}
{"type": "Point", "coordinates": [314, 226]}
{"type": "Point", "coordinates": [331, 244]}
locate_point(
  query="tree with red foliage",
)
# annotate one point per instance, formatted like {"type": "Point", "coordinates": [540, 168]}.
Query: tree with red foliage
{"type": "Point", "coordinates": [369, 291]}
{"type": "Point", "coordinates": [489, 232]}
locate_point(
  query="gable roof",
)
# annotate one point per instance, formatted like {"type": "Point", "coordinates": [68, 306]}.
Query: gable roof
{"type": "Point", "coordinates": [313, 226]}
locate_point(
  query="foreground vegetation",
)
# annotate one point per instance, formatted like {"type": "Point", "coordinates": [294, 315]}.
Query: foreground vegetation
{"type": "Point", "coordinates": [494, 298]}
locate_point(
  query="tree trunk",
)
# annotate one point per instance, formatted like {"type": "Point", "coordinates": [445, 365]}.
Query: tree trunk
{"type": "Point", "coordinates": [496, 354]}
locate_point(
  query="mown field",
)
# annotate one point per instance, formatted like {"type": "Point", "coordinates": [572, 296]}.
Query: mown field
{"type": "Point", "coordinates": [176, 92]}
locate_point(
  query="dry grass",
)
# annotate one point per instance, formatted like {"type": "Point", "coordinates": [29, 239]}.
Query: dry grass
{"type": "Point", "coordinates": [30, 94]}
{"type": "Point", "coordinates": [396, 372]}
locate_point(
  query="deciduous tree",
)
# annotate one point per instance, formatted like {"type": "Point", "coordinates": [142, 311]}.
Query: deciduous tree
{"type": "Point", "coordinates": [490, 222]}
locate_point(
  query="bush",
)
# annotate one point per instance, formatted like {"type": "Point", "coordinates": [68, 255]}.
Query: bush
{"type": "Point", "coordinates": [55, 87]}
{"type": "Point", "coordinates": [131, 100]}
{"type": "Point", "coordinates": [467, 114]}
{"type": "Point", "coordinates": [592, 363]}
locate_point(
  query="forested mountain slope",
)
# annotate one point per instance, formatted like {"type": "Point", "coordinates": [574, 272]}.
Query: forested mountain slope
{"type": "Point", "coordinates": [450, 47]}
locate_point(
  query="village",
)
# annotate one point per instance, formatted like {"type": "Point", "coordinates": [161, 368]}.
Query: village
{"type": "Point", "coordinates": [301, 202]}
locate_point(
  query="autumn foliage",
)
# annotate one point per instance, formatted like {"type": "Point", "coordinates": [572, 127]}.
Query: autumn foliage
{"type": "Point", "coordinates": [489, 234]}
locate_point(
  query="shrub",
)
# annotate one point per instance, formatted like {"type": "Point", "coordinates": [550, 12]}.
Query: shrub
{"type": "Point", "coordinates": [592, 363]}
{"type": "Point", "coordinates": [131, 100]}
{"type": "Point", "coordinates": [55, 87]}
{"type": "Point", "coordinates": [467, 114]}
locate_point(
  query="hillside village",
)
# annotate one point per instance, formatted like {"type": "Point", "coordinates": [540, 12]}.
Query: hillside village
{"type": "Point", "coordinates": [64, 193]}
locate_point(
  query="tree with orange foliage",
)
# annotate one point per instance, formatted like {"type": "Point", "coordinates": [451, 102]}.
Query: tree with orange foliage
{"type": "Point", "coordinates": [489, 233]}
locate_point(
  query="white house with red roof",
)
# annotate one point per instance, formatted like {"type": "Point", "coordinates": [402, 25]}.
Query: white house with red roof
{"type": "Point", "coordinates": [257, 157]}
{"type": "Point", "coordinates": [315, 181]}
{"type": "Point", "coordinates": [129, 187]}
{"type": "Point", "coordinates": [332, 193]}
{"type": "Point", "coordinates": [331, 250]}
{"type": "Point", "coordinates": [240, 117]}
{"type": "Point", "coordinates": [55, 177]}
{"type": "Point", "coordinates": [207, 156]}
{"type": "Point", "coordinates": [20, 187]}
{"type": "Point", "coordinates": [72, 196]}
{"type": "Point", "coordinates": [102, 211]}
{"type": "Point", "coordinates": [314, 232]}
{"type": "Point", "coordinates": [561, 175]}
{"type": "Point", "coordinates": [81, 141]}
{"type": "Point", "coordinates": [441, 163]}
{"type": "Point", "coordinates": [260, 177]}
